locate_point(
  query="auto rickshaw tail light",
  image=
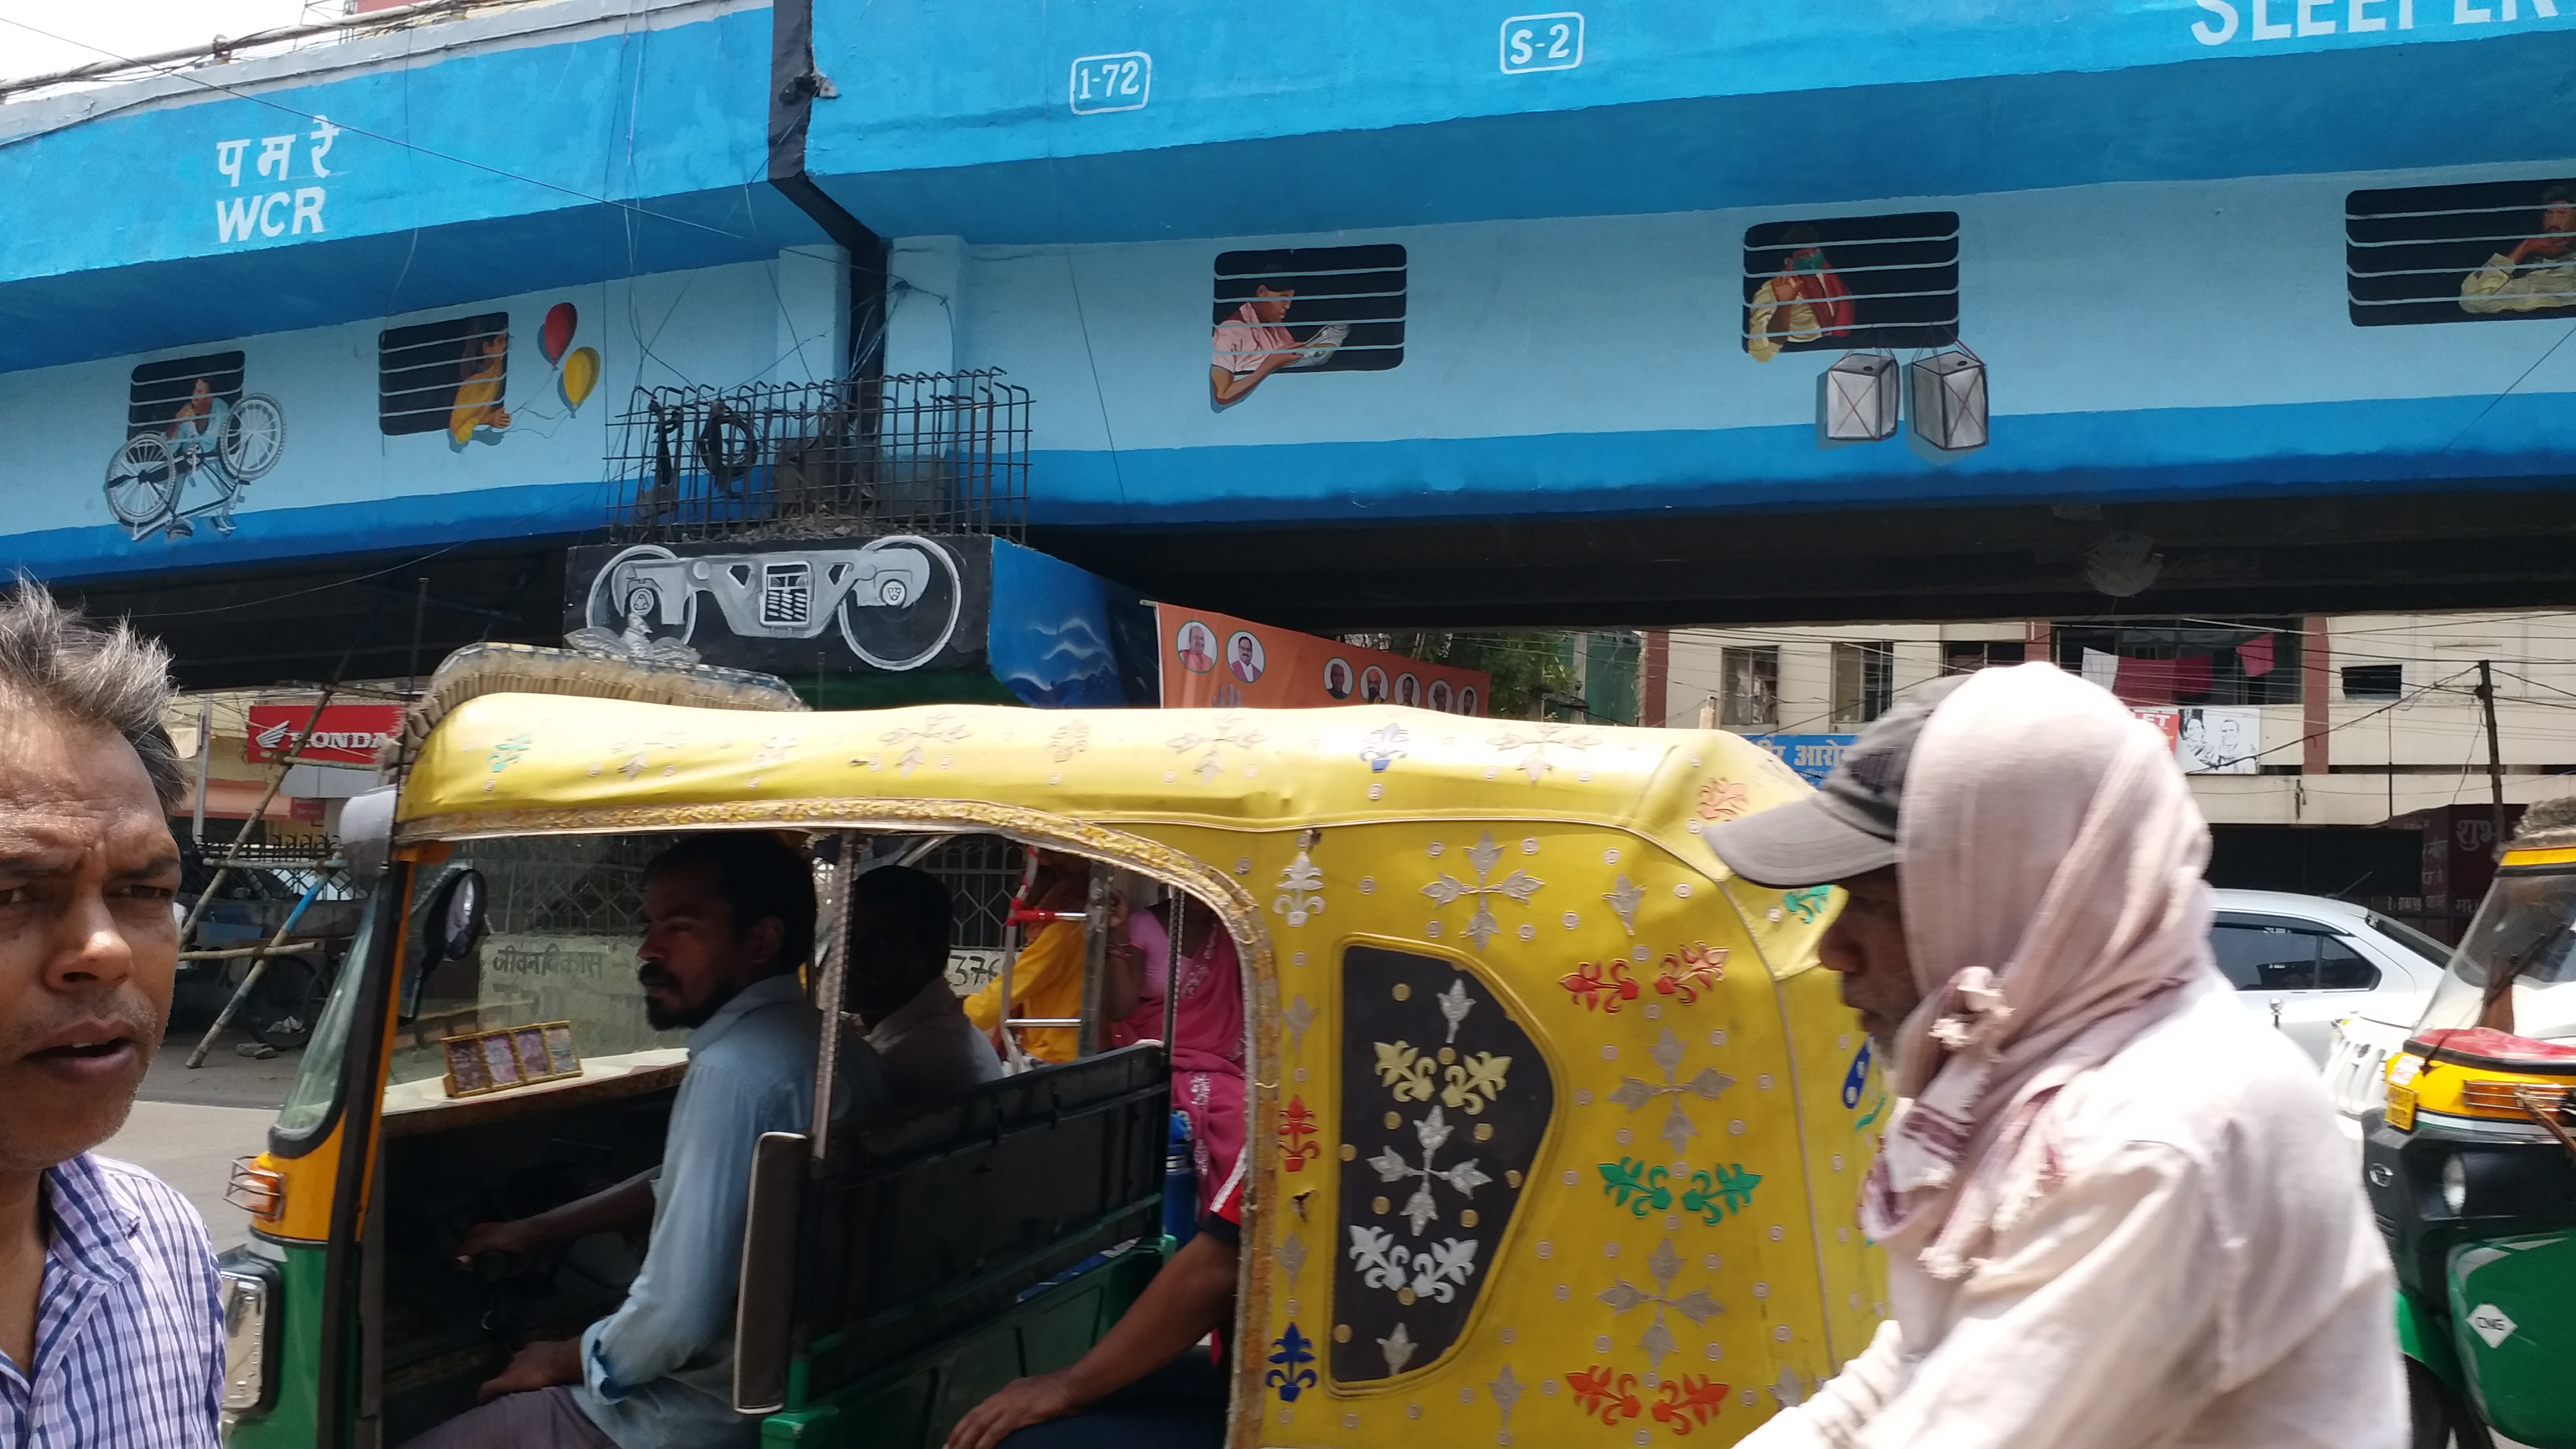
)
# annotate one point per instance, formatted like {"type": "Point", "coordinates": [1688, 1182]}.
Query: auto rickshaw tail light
{"type": "Point", "coordinates": [2496, 1094]}
{"type": "Point", "coordinates": [257, 1190]}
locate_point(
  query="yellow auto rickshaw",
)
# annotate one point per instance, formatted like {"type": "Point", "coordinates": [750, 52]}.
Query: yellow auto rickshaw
{"type": "Point", "coordinates": [1554, 1129]}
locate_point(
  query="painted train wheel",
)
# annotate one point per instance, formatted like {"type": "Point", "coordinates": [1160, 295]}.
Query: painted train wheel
{"type": "Point", "coordinates": [905, 633]}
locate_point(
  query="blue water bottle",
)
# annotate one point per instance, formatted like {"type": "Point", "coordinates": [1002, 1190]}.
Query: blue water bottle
{"type": "Point", "coordinates": [1180, 1186]}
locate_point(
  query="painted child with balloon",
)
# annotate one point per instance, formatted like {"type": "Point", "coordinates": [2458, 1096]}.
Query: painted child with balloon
{"type": "Point", "coordinates": [479, 410]}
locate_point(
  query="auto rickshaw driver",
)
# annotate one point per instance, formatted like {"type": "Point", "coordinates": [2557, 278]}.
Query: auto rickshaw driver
{"type": "Point", "coordinates": [729, 918]}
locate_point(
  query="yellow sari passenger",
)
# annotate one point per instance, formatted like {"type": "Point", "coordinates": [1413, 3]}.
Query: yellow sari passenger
{"type": "Point", "coordinates": [1047, 979]}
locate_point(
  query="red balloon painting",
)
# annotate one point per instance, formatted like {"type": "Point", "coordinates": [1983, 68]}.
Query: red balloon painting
{"type": "Point", "coordinates": [560, 321]}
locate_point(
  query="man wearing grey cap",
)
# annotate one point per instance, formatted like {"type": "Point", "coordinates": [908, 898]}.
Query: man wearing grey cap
{"type": "Point", "coordinates": [2116, 1209]}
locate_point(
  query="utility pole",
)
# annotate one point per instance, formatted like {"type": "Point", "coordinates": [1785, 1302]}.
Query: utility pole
{"type": "Point", "coordinates": [2495, 753]}
{"type": "Point", "coordinates": [419, 608]}
{"type": "Point", "coordinates": [205, 758]}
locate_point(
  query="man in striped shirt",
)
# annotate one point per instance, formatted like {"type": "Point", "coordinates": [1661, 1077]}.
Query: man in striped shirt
{"type": "Point", "coordinates": [110, 1333]}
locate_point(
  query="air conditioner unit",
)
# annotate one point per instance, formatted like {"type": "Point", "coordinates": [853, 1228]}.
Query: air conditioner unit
{"type": "Point", "coordinates": [1856, 399]}
{"type": "Point", "coordinates": [1950, 401]}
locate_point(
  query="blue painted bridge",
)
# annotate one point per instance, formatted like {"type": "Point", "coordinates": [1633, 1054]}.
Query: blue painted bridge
{"type": "Point", "coordinates": [1360, 313]}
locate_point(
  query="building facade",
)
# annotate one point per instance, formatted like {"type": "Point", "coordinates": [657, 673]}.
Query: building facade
{"type": "Point", "coordinates": [2346, 755]}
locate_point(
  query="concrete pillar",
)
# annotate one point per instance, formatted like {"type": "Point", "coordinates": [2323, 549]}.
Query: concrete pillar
{"type": "Point", "coordinates": [2315, 695]}
{"type": "Point", "coordinates": [1656, 680]}
{"type": "Point", "coordinates": [924, 296]}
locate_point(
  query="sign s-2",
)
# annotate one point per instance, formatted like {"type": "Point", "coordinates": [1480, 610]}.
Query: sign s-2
{"type": "Point", "coordinates": [1543, 42]}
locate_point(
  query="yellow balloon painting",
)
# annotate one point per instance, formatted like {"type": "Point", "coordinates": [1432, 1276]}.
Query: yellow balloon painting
{"type": "Point", "coordinates": [580, 375]}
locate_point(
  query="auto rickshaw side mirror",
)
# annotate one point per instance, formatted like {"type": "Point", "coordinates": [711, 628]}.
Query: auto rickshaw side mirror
{"type": "Point", "coordinates": [448, 926]}
{"type": "Point", "coordinates": [454, 920]}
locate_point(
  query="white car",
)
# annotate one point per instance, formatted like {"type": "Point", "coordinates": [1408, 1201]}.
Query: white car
{"type": "Point", "coordinates": [2304, 964]}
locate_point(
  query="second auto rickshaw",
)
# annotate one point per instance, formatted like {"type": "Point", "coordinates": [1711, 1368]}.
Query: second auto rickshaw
{"type": "Point", "coordinates": [2472, 1166]}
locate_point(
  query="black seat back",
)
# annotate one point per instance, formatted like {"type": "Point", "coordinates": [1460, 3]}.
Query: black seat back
{"type": "Point", "coordinates": [927, 1223]}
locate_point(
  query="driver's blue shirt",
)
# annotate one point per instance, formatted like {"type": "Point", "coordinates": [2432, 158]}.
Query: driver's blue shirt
{"type": "Point", "coordinates": [658, 1373]}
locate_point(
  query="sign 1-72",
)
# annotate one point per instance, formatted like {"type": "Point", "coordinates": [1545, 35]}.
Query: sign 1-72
{"type": "Point", "coordinates": [1120, 82]}
{"type": "Point", "coordinates": [1543, 42]}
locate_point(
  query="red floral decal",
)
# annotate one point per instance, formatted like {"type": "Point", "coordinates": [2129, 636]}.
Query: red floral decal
{"type": "Point", "coordinates": [1697, 968]}
{"type": "Point", "coordinates": [1603, 984]}
{"type": "Point", "coordinates": [1606, 1392]}
{"type": "Point", "coordinates": [1689, 1401]}
{"type": "Point", "coordinates": [1723, 800]}
{"type": "Point", "coordinates": [1296, 1124]}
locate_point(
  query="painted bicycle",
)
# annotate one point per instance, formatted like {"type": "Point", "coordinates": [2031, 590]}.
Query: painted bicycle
{"type": "Point", "coordinates": [227, 445]}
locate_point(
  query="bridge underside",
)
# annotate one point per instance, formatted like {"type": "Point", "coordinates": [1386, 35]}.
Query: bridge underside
{"type": "Point", "coordinates": [2275, 555]}
{"type": "Point", "coordinates": [358, 617]}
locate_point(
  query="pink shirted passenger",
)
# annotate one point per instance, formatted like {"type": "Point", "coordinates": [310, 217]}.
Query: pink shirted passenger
{"type": "Point", "coordinates": [1207, 1050]}
{"type": "Point", "coordinates": [1244, 339]}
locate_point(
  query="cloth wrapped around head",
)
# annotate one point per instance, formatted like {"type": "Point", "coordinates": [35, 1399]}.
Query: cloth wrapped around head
{"type": "Point", "coordinates": [2050, 875]}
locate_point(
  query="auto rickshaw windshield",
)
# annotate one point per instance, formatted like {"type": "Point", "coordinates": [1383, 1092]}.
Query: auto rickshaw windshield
{"type": "Point", "coordinates": [2515, 971]}
{"type": "Point", "coordinates": [564, 917]}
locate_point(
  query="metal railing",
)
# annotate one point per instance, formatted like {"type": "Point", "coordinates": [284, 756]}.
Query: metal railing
{"type": "Point", "coordinates": [848, 458]}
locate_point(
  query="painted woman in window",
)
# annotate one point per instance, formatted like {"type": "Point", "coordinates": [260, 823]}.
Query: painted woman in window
{"type": "Point", "coordinates": [1806, 301]}
{"type": "Point", "coordinates": [2540, 271]}
{"type": "Point", "coordinates": [478, 398]}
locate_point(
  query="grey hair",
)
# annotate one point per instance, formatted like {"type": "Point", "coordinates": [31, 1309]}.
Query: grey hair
{"type": "Point", "coordinates": [54, 659]}
{"type": "Point", "coordinates": [2547, 824]}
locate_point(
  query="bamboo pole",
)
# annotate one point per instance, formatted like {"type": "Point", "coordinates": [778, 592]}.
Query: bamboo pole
{"type": "Point", "coordinates": [259, 960]}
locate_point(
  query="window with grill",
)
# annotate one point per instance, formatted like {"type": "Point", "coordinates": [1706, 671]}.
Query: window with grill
{"type": "Point", "coordinates": [2374, 681]}
{"type": "Point", "coordinates": [1305, 310]}
{"type": "Point", "coordinates": [1852, 281]}
{"type": "Point", "coordinates": [162, 395]}
{"type": "Point", "coordinates": [449, 376]}
{"type": "Point", "coordinates": [1750, 698]}
{"type": "Point", "coordinates": [1864, 681]}
{"type": "Point", "coordinates": [1967, 656]}
{"type": "Point", "coordinates": [2487, 252]}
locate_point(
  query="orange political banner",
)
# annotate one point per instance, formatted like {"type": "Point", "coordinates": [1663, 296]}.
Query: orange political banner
{"type": "Point", "coordinates": [1217, 661]}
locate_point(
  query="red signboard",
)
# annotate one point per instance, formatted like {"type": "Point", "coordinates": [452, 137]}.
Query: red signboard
{"type": "Point", "coordinates": [1219, 661]}
{"type": "Point", "coordinates": [345, 734]}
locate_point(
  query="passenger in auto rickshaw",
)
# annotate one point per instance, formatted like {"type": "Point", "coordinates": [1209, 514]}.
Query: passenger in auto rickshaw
{"type": "Point", "coordinates": [1046, 976]}
{"type": "Point", "coordinates": [1207, 1024]}
{"type": "Point", "coordinates": [1143, 1386]}
{"type": "Point", "coordinates": [900, 919]}
{"type": "Point", "coordinates": [728, 920]}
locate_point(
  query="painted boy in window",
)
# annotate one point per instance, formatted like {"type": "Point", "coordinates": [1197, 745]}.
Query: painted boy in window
{"type": "Point", "coordinates": [2540, 271]}
{"type": "Point", "coordinates": [1251, 345]}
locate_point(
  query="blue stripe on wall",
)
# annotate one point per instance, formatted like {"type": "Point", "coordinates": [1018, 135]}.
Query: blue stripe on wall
{"type": "Point", "coordinates": [2407, 444]}
{"type": "Point", "coordinates": [420, 522]}
{"type": "Point", "coordinates": [2404, 445]}
{"type": "Point", "coordinates": [2371, 110]}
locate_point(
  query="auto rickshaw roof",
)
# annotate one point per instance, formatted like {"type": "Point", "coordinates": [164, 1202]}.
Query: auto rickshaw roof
{"type": "Point", "coordinates": [524, 763]}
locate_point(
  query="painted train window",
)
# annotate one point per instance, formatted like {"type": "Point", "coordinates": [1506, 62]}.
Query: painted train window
{"type": "Point", "coordinates": [1851, 281]}
{"type": "Point", "coordinates": [2483, 253]}
{"type": "Point", "coordinates": [1444, 1101]}
{"type": "Point", "coordinates": [448, 376]}
{"type": "Point", "coordinates": [1303, 310]}
{"type": "Point", "coordinates": [179, 392]}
